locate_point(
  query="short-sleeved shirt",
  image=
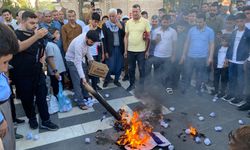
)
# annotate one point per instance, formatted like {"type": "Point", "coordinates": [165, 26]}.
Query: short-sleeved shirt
{"type": "Point", "coordinates": [52, 50]}
{"type": "Point", "coordinates": [199, 41]}
{"type": "Point", "coordinates": [135, 30]}
{"type": "Point", "coordinates": [94, 49]}
{"type": "Point", "coordinates": [165, 47]}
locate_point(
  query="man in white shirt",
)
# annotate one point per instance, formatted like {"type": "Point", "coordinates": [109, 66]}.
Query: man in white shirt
{"type": "Point", "coordinates": [165, 38]}
{"type": "Point", "coordinates": [8, 19]}
{"type": "Point", "coordinates": [75, 57]}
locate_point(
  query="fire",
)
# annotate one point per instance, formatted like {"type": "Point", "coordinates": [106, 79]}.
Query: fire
{"type": "Point", "coordinates": [136, 133]}
{"type": "Point", "coordinates": [193, 131]}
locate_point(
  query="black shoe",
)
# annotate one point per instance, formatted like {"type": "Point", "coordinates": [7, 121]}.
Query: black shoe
{"type": "Point", "coordinates": [48, 125]}
{"type": "Point", "coordinates": [18, 136]}
{"type": "Point", "coordinates": [228, 98]}
{"type": "Point", "coordinates": [244, 107]}
{"type": "Point", "coordinates": [125, 78]}
{"type": "Point", "coordinates": [130, 88]}
{"type": "Point", "coordinates": [220, 95]}
{"type": "Point", "coordinates": [105, 84]}
{"type": "Point", "coordinates": [117, 83]}
{"type": "Point", "coordinates": [33, 124]}
{"type": "Point", "coordinates": [98, 88]}
{"type": "Point", "coordinates": [18, 121]}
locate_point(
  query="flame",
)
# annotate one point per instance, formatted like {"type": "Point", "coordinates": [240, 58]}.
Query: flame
{"type": "Point", "coordinates": [193, 131]}
{"type": "Point", "coordinates": [136, 134]}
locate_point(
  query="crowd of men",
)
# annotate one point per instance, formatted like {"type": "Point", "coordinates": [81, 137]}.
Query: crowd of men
{"type": "Point", "coordinates": [209, 45]}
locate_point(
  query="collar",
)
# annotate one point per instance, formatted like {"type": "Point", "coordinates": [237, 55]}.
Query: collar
{"type": "Point", "coordinates": [201, 30]}
{"type": "Point", "coordinates": [139, 20]}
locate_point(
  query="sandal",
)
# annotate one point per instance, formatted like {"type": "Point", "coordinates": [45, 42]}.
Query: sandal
{"type": "Point", "coordinates": [170, 91]}
{"type": "Point", "coordinates": [82, 105]}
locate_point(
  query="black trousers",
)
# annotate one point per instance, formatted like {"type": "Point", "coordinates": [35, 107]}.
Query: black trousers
{"type": "Point", "coordinates": [28, 88]}
{"type": "Point", "coordinates": [177, 71]}
{"type": "Point", "coordinates": [134, 57]}
{"type": "Point", "coordinates": [94, 80]}
{"type": "Point", "coordinates": [220, 76]}
{"type": "Point", "coordinates": [55, 83]}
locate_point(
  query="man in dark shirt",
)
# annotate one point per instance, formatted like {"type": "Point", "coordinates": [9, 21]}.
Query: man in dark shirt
{"type": "Point", "coordinates": [28, 75]}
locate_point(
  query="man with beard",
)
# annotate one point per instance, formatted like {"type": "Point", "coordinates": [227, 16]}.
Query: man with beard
{"type": "Point", "coordinates": [76, 62]}
{"type": "Point", "coordinates": [28, 75]}
{"type": "Point", "coordinates": [8, 18]}
{"type": "Point", "coordinates": [214, 21]}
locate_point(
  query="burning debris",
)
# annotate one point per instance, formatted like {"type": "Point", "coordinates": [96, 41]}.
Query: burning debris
{"type": "Point", "coordinates": [195, 135]}
{"type": "Point", "coordinates": [138, 134]}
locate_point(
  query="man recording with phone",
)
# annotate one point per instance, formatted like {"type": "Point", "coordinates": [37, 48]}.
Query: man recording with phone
{"type": "Point", "coordinates": [28, 75]}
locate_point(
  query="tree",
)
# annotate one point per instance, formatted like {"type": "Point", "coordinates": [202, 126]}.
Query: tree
{"type": "Point", "coordinates": [23, 3]}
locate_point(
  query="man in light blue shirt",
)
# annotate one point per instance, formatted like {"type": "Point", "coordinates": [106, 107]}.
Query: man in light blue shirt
{"type": "Point", "coordinates": [8, 47]}
{"type": "Point", "coordinates": [198, 53]}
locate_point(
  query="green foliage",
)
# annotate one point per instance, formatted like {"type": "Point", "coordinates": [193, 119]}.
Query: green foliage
{"type": "Point", "coordinates": [24, 4]}
{"type": "Point", "coordinates": [46, 5]}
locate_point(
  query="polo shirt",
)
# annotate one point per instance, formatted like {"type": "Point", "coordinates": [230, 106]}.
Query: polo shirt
{"type": "Point", "coordinates": [135, 30]}
{"type": "Point", "coordinates": [199, 41]}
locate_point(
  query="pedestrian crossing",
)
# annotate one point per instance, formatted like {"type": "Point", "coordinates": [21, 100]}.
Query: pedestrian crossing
{"type": "Point", "coordinates": [77, 122]}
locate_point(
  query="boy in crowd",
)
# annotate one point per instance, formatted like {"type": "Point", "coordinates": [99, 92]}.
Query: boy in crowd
{"type": "Point", "coordinates": [8, 47]}
{"type": "Point", "coordinates": [96, 50]}
{"type": "Point", "coordinates": [237, 54]}
{"type": "Point", "coordinates": [56, 67]}
{"type": "Point", "coordinates": [220, 68]}
{"type": "Point", "coordinates": [229, 25]}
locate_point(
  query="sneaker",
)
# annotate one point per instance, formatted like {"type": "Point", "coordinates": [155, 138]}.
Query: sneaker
{"type": "Point", "coordinates": [220, 95]}
{"type": "Point", "coordinates": [117, 83]}
{"type": "Point", "coordinates": [33, 124]}
{"type": "Point", "coordinates": [48, 125]}
{"type": "Point", "coordinates": [244, 107]}
{"type": "Point", "coordinates": [130, 88]}
{"type": "Point", "coordinates": [18, 121]}
{"type": "Point", "coordinates": [105, 84]}
{"type": "Point", "coordinates": [236, 102]}
{"type": "Point", "coordinates": [228, 98]}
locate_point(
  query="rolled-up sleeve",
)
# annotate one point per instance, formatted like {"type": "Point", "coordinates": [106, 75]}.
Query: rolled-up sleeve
{"type": "Point", "coordinates": [78, 59]}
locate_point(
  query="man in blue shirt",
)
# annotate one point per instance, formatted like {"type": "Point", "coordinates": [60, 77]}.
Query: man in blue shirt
{"type": "Point", "coordinates": [198, 53]}
{"type": "Point", "coordinates": [8, 47]}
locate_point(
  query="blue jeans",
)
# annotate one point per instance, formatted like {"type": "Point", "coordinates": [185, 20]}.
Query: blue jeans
{"type": "Point", "coordinates": [80, 92]}
{"type": "Point", "coordinates": [134, 57]}
{"type": "Point", "coordinates": [248, 81]}
{"type": "Point", "coordinates": [199, 67]}
{"type": "Point", "coordinates": [236, 80]}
